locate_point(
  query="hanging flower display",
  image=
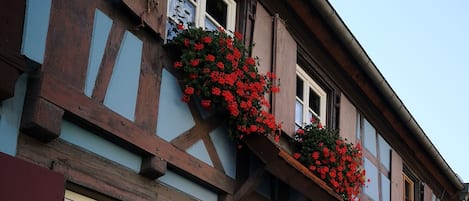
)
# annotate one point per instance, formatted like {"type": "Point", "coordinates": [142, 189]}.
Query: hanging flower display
{"type": "Point", "coordinates": [331, 158]}
{"type": "Point", "coordinates": [215, 68]}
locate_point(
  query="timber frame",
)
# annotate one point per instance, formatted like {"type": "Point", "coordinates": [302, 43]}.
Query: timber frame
{"type": "Point", "coordinates": [55, 93]}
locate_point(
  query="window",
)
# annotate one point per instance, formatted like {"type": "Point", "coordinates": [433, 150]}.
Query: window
{"type": "Point", "coordinates": [310, 99]}
{"type": "Point", "coordinates": [72, 196]}
{"type": "Point", "coordinates": [435, 198]}
{"type": "Point", "coordinates": [377, 161]}
{"type": "Point", "coordinates": [408, 189]}
{"type": "Point", "coordinates": [209, 14]}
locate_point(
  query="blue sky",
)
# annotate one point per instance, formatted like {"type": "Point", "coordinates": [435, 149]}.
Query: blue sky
{"type": "Point", "coordinates": [422, 49]}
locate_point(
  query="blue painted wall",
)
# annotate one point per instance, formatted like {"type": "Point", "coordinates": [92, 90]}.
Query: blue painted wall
{"type": "Point", "coordinates": [226, 150]}
{"type": "Point", "coordinates": [100, 146]}
{"type": "Point", "coordinates": [174, 116]}
{"type": "Point", "coordinates": [187, 186]}
{"type": "Point", "coordinates": [36, 24]}
{"type": "Point", "coordinates": [121, 95]}
{"type": "Point", "coordinates": [199, 151]}
{"type": "Point", "coordinates": [101, 28]}
{"type": "Point", "coordinates": [10, 117]}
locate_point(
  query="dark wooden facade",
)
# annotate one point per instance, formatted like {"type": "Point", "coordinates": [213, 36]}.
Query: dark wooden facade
{"type": "Point", "coordinates": [55, 93]}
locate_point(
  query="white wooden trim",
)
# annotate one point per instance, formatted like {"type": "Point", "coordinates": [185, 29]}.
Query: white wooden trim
{"type": "Point", "coordinates": [309, 83]}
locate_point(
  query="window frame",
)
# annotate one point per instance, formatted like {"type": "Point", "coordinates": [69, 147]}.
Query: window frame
{"type": "Point", "coordinates": [374, 159]}
{"type": "Point", "coordinates": [74, 196]}
{"type": "Point", "coordinates": [407, 180]}
{"type": "Point", "coordinates": [308, 83]}
{"type": "Point", "coordinates": [201, 14]}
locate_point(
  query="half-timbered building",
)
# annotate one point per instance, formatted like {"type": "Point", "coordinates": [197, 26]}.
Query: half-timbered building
{"type": "Point", "coordinates": [90, 106]}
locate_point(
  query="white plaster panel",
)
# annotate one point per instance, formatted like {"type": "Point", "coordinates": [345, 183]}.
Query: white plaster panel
{"type": "Point", "coordinates": [226, 150]}
{"type": "Point", "coordinates": [10, 117]}
{"type": "Point", "coordinates": [94, 143]}
{"type": "Point", "coordinates": [101, 28]}
{"type": "Point", "coordinates": [199, 151]}
{"type": "Point", "coordinates": [174, 116]}
{"type": "Point", "coordinates": [121, 94]}
{"type": "Point", "coordinates": [187, 186]}
{"type": "Point", "coordinates": [36, 25]}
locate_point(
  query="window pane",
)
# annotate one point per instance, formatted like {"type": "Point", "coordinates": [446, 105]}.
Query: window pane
{"type": "Point", "coordinates": [217, 9]}
{"type": "Point", "coordinates": [310, 115]}
{"type": "Point", "coordinates": [314, 101]}
{"type": "Point", "coordinates": [384, 152]}
{"type": "Point", "coordinates": [369, 137]}
{"type": "Point", "coordinates": [372, 189]}
{"type": "Point", "coordinates": [358, 128]}
{"type": "Point", "coordinates": [385, 188]}
{"type": "Point", "coordinates": [209, 25]}
{"type": "Point", "coordinates": [299, 87]}
{"type": "Point", "coordinates": [181, 11]}
{"type": "Point", "coordinates": [299, 113]}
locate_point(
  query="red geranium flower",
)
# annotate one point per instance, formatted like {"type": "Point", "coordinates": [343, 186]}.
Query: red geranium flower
{"type": "Point", "coordinates": [195, 62]}
{"type": "Point", "coordinates": [198, 46]}
{"type": "Point", "coordinates": [189, 90]}
{"type": "Point", "coordinates": [205, 103]}
{"type": "Point", "coordinates": [207, 39]}
{"type": "Point", "coordinates": [177, 64]}
{"type": "Point", "coordinates": [210, 57]}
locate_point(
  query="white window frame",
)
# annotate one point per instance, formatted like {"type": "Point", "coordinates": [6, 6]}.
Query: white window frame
{"type": "Point", "coordinates": [201, 14]}
{"type": "Point", "coordinates": [309, 83]}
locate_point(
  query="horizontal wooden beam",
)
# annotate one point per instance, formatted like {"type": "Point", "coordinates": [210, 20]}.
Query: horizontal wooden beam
{"type": "Point", "coordinates": [128, 134]}
{"type": "Point", "coordinates": [113, 181]}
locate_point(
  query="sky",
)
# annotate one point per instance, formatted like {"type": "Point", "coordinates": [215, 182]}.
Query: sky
{"type": "Point", "coordinates": [422, 49]}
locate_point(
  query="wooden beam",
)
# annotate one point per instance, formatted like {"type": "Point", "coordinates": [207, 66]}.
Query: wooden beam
{"type": "Point", "coordinates": [151, 12]}
{"type": "Point", "coordinates": [69, 39]}
{"type": "Point", "coordinates": [113, 181]}
{"type": "Point", "coordinates": [202, 128]}
{"type": "Point", "coordinates": [41, 118]}
{"type": "Point", "coordinates": [128, 134]}
{"type": "Point", "coordinates": [153, 167]}
{"type": "Point", "coordinates": [149, 87]}
{"type": "Point", "coordinates": [8, 77]}
{"type": "Point", "coordinates": [249, 185]}
{"type": "Point", "coordinates": [12, 63]}
{"type": "Point", "coordinates": [107, 63]}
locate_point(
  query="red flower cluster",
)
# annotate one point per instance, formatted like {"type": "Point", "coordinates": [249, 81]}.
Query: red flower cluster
{"type": "Point", "coordinates": [215, 68]}
{"type": "Point", "coordinates": [331, 158]}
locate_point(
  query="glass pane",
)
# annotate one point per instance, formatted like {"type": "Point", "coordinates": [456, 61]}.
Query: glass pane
{"type": "Point", "coordinates": [299, 113]}
{"type": "Point", "coordinates": [372, 189]}
{"type": "Point", "coordinates": [310, 115]}
{"type": "Point", "coordinates": [369, 137]}
{"type": "Point", "coordinates": [209, 25]}
{"type": "Point", "coordinates": [181, 11]}
{"type": "Point", "coordinates": [314, 101]}
{"type": "Point", "coordinates": [385, 188]}
{"type": "Point", "coordinates": [384, 152]}
{"type": "Point", "coordinates": [299, 87]}
{"type": "Point", "coordinates": [358, 128]}
{"type": "Point", "coordinates": [217, 9]}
